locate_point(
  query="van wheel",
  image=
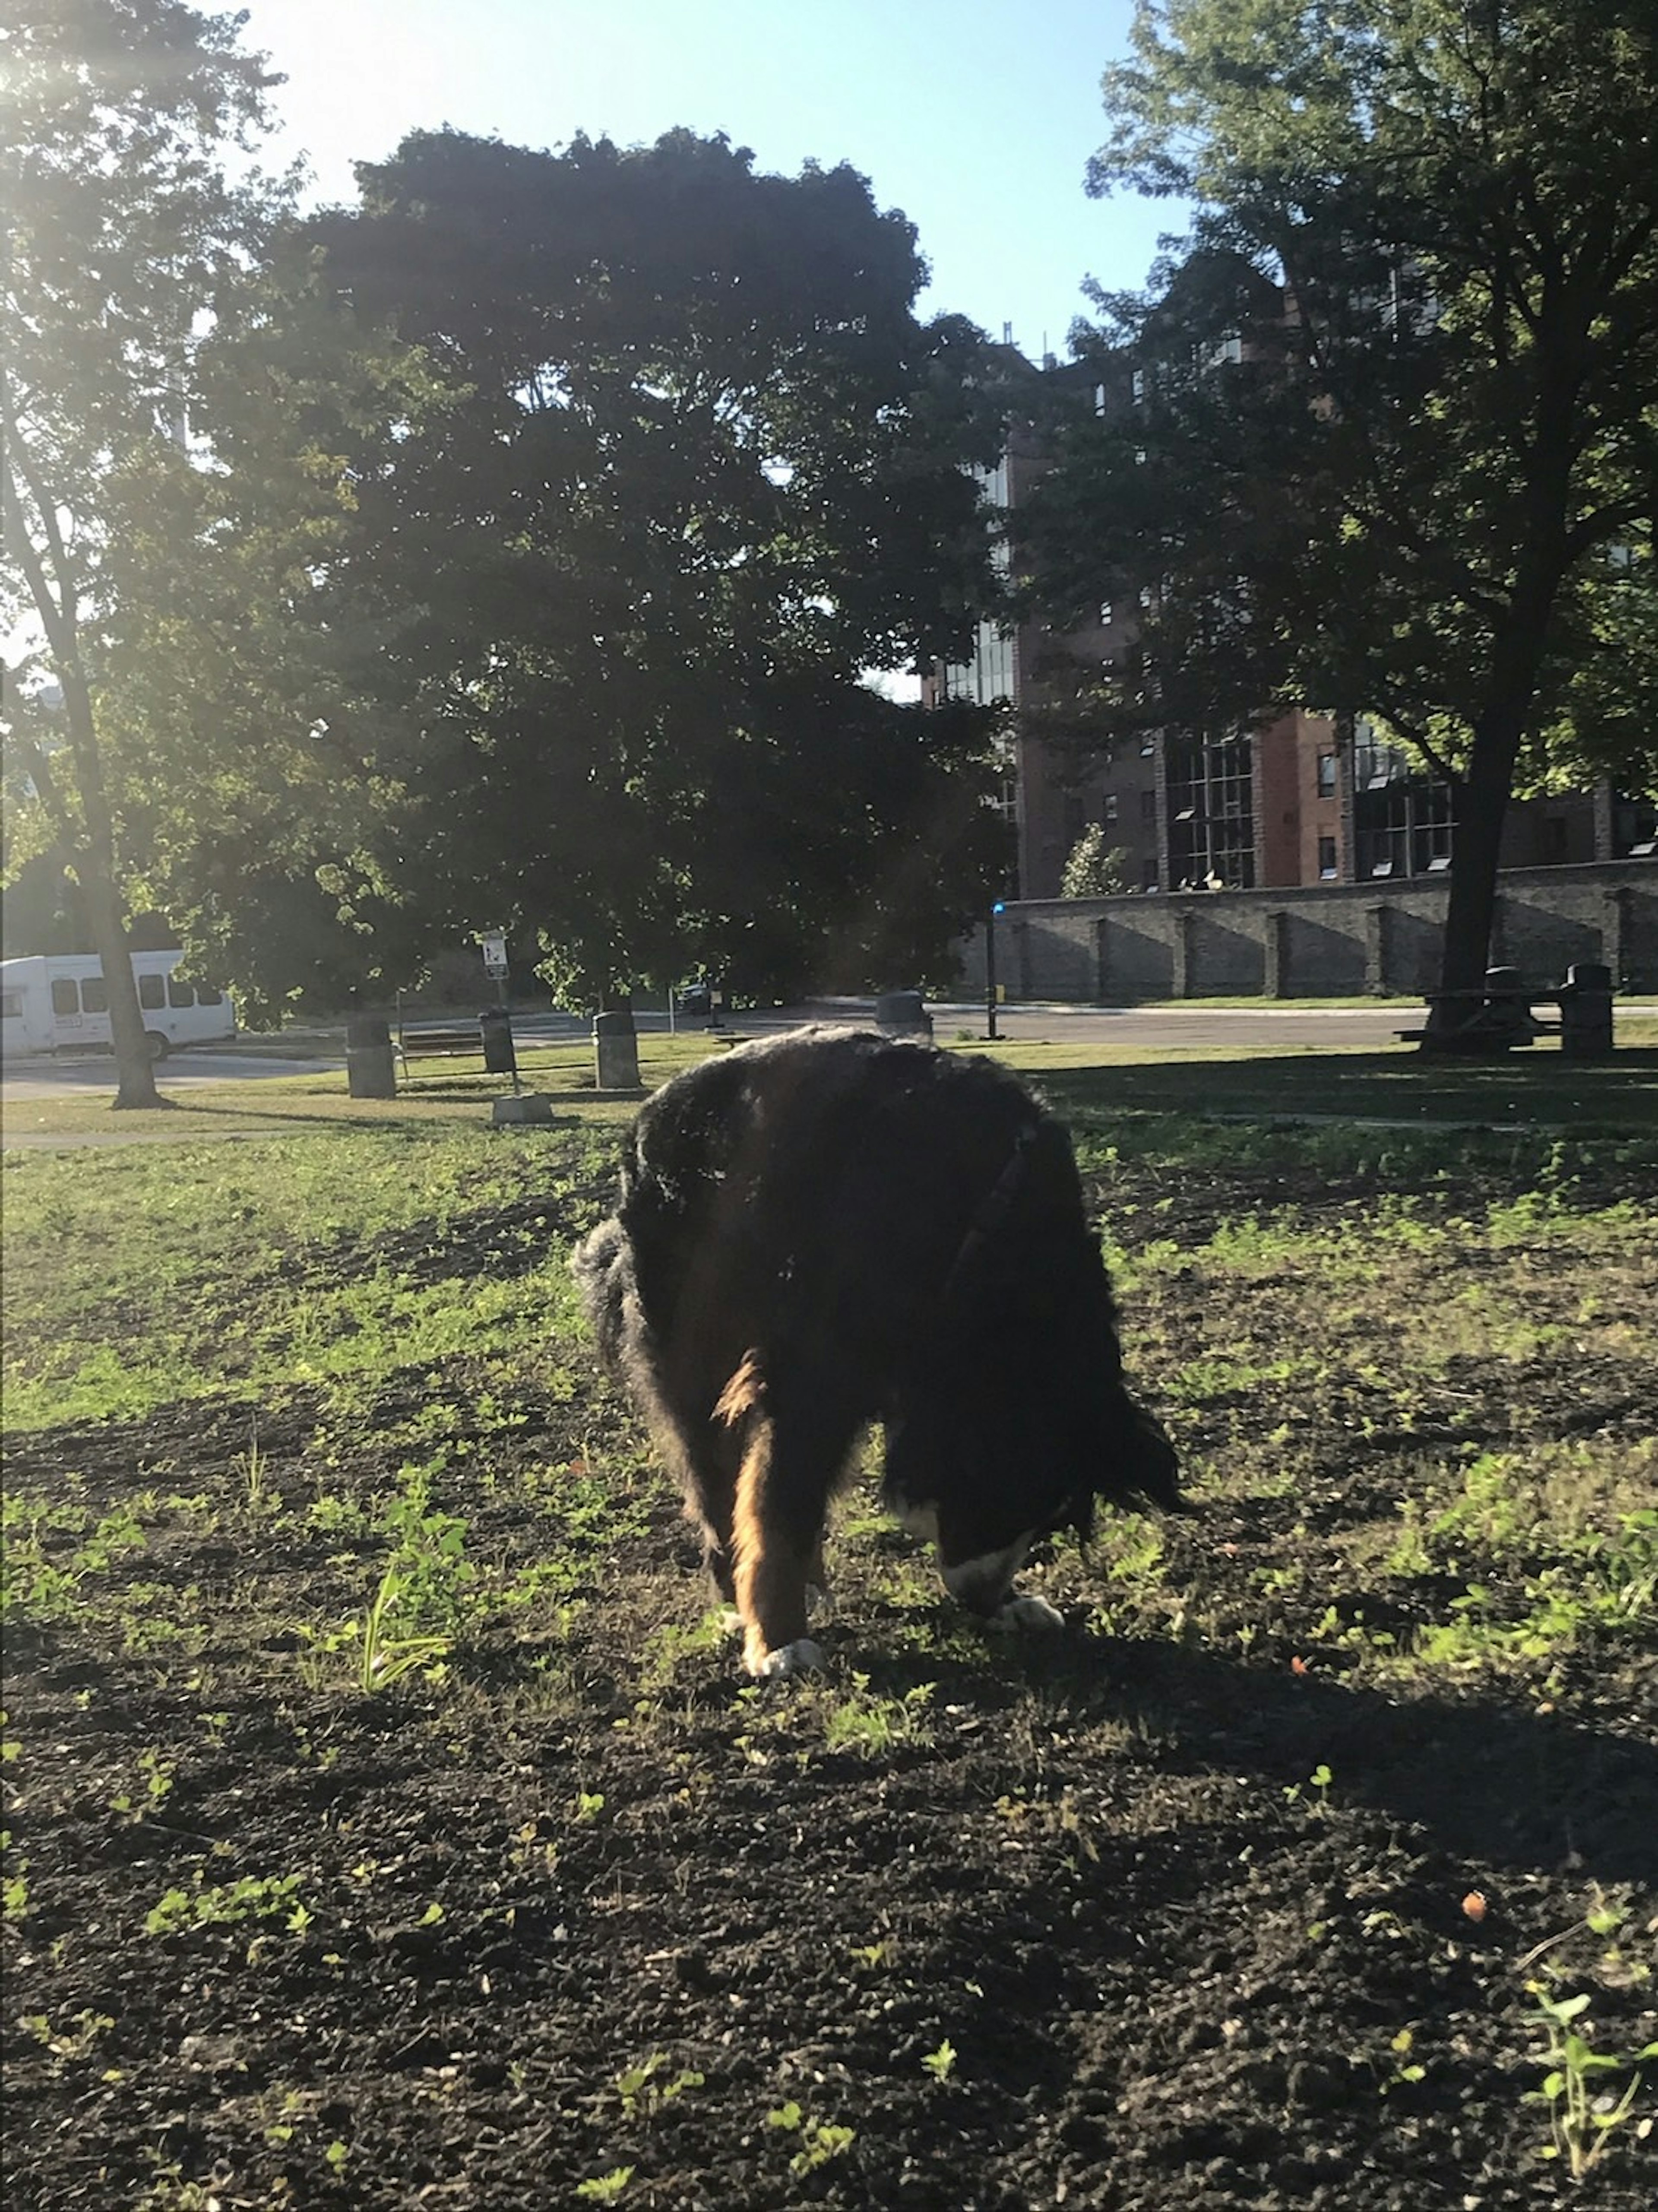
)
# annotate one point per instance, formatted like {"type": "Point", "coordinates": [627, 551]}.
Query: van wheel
{"type": "Point", "coordinates": [156, 1043]}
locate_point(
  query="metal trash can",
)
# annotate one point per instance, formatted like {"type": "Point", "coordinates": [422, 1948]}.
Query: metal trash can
{"type": "Point", "coordinates": [901, 1013]}
{"type": "Point", "coordinates": [371, 1065]}
{"type": "Point", "coordinates": [1586, 1010]}
{"type": "Point", "coordinates": [495, 1028]}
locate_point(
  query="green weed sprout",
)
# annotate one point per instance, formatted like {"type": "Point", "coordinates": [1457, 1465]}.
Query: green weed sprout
{"type": "Point", "coordinates": [820, 2140]}
{"type": "Point", "coordinates": [1581, 2122]}
{"type": "Point", "coordinates": [643, 2096]}
{"type": "Point", "coordinates": [386, 1656]}
{"type": "Point", "coordinates": [604, 2188]}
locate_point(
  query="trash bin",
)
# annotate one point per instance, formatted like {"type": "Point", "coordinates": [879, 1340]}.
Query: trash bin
{"type": "Point", "coordinates": [1586, 1010]}
{"type": "Point", "coordinates": [495, 1027]}
{"type": "Point", "coordinates": [615, 1052]}
{"type": "Point", "coordinates": [371, 1065]}
{"type": "Point", "coordinates": [901, 1013]}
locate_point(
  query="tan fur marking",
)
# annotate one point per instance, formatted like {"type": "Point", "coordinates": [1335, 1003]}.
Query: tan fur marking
{"type": "Point", "coordinates": [744, 1393]}
{"type": "Point", "coordinates": [770, 1577]}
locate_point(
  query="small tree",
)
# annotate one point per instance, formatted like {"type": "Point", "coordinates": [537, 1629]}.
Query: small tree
{"type": "Point", "coordinates": [1095, 869]}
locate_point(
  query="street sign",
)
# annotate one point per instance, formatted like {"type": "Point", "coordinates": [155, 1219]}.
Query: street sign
{"type": "Point", "coordinates": [494, 953]}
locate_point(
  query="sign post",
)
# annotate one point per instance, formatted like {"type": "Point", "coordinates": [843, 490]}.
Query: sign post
{"type": "Point", "coordinates": [990, 971]}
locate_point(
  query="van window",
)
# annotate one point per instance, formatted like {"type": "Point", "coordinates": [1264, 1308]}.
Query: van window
{"type": "Point", "coordinates": [152, 991]}
{"type": "Point", "coordinates": [207, 997]}
{"type": "Point", "coordinates": [95, 998]}
{"type": "Point", "coordinates": [177, 994]}
{"type": "Point", "coordinates": [65, 998]}
{"type": "Point", "coordinates": [11, 1005]}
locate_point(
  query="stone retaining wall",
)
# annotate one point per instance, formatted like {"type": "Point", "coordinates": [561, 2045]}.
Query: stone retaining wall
{"type": "Point", "coordinates": [1332, 941]}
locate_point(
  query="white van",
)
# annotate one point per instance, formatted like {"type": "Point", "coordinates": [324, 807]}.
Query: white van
{"type": "Point", "coordinates": [54, 1002]}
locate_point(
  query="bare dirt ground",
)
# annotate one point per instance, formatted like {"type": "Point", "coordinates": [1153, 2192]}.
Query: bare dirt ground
{"type": "Point", "coordinates": [1197, 1905]}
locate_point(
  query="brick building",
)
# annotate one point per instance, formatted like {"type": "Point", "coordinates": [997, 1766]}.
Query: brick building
{"type": "Point", "coordinates": [1299, 800]}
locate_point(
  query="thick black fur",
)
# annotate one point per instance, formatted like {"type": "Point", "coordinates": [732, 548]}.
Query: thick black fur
{"type": "Point", "coordinates": [860, 1230]}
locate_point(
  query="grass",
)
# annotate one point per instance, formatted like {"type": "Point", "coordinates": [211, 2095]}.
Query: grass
{"type": "Point", "coordinates": [414, 1251]}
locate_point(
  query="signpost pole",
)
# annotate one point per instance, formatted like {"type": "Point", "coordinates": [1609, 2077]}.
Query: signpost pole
{"type": "Point", "coordinates": [991, 1032]}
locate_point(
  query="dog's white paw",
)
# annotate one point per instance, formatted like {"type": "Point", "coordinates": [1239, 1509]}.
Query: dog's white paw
{"type": "Point", "coordinates": [803, 1656]}
{"type": "Point", "coordinates": [1025, 1610]}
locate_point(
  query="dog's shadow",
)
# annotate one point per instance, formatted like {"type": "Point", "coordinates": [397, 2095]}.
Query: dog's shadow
{"type": "Point", "coordinates": [1492, 1783]}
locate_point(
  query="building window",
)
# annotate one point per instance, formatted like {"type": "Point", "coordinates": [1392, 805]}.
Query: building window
{"type": "Point", "coordinates": [1402, 822]}
{"type": "Point", "coordinates": [1148, 875]}
{"type": "Point", "coordinates": [1327, 775]}
{"type": "Point", "coordinates": [1326, 860]}
{"type": "Point", "coordinates": [1148, 806]}
{"type": "Point", "coordinates": [1148, 748]}
{"type": "Point", "coordinates": [1108, 807]}
{"type": "Point", "coordinates": [1211, 806]}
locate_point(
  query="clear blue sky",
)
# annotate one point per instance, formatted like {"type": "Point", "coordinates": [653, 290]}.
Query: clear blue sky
{"type": "Point", "coordinates": [975, 117]}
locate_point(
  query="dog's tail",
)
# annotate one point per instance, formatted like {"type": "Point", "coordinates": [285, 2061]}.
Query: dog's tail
{"type": "Point", "coordinates": [603, 1268]}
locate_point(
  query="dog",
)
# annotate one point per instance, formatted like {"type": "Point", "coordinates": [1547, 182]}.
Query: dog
{"type": "Point", "coordinates": [828, 1229]}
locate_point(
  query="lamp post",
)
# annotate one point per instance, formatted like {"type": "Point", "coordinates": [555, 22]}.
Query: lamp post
{"type": "Point", "coordinates": [990, 970]}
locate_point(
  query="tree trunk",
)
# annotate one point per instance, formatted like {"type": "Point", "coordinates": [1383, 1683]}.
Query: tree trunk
{"type": "Point", "coordinates": [135, 1071]}
{"type": "Point", "coordinates": [1471, 912]}
{"type": "Point", "coordinates": [94, 869]}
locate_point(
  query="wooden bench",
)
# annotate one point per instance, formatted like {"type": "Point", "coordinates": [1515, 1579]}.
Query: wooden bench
{"type": "Point", "coordinates": [440, 1040]}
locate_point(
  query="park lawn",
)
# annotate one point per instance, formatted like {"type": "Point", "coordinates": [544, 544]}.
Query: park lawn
{"type": "Point", "coordinates": [386, 1823]}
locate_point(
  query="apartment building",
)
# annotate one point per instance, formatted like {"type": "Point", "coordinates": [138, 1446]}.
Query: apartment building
{"type": "Point", "coordinates": [1302, 799]}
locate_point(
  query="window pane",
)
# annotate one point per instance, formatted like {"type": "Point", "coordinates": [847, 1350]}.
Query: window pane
{"type": "Point", "coordinates": [152, 992]}
{"type": "Point", "coordinates": [204, 997]}
{"type": "Point", "coordinates": [95, 998]}
{"type": "Point", "coordinates": [65, 998]}
{"type": "Point", "coordinates": [177, 994]}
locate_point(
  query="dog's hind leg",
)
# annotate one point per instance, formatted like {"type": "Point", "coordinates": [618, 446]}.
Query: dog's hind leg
{"type": "Point", "coordinates": [983, 1583]}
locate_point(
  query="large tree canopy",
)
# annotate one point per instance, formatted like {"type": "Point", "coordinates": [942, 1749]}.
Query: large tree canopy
{"type": "Point", "coordinates": [1392, 440]}
{"type": "Point", "coordinates": [694, 469]}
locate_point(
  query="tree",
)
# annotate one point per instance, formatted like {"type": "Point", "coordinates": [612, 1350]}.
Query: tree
{"type": "Point", "coordinates": [127, 234]}
{"type": "Point", "coordinates": [693, 468]}
{"type": "Point", "coordinates": [1395, 418]}
{"type": "Point", "coordinates": [1094, 868]}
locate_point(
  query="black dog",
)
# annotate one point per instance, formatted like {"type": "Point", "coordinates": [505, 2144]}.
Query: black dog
{"type": "Point", "coordinates": [830, 1229]}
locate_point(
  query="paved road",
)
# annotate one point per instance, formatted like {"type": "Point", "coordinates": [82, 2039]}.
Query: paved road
{"type": "Point", "coordinates": [93, 1073]}
{"type": "Point", "coordinates": [1148, 1029]}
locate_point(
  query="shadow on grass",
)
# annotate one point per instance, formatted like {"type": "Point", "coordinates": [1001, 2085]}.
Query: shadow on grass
{"type": "Point", "coordinates": [1523, 1090]}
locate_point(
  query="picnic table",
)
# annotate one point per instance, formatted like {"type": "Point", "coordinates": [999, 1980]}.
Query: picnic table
{"type": "Point", "coordinates": [1499, 1014]}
